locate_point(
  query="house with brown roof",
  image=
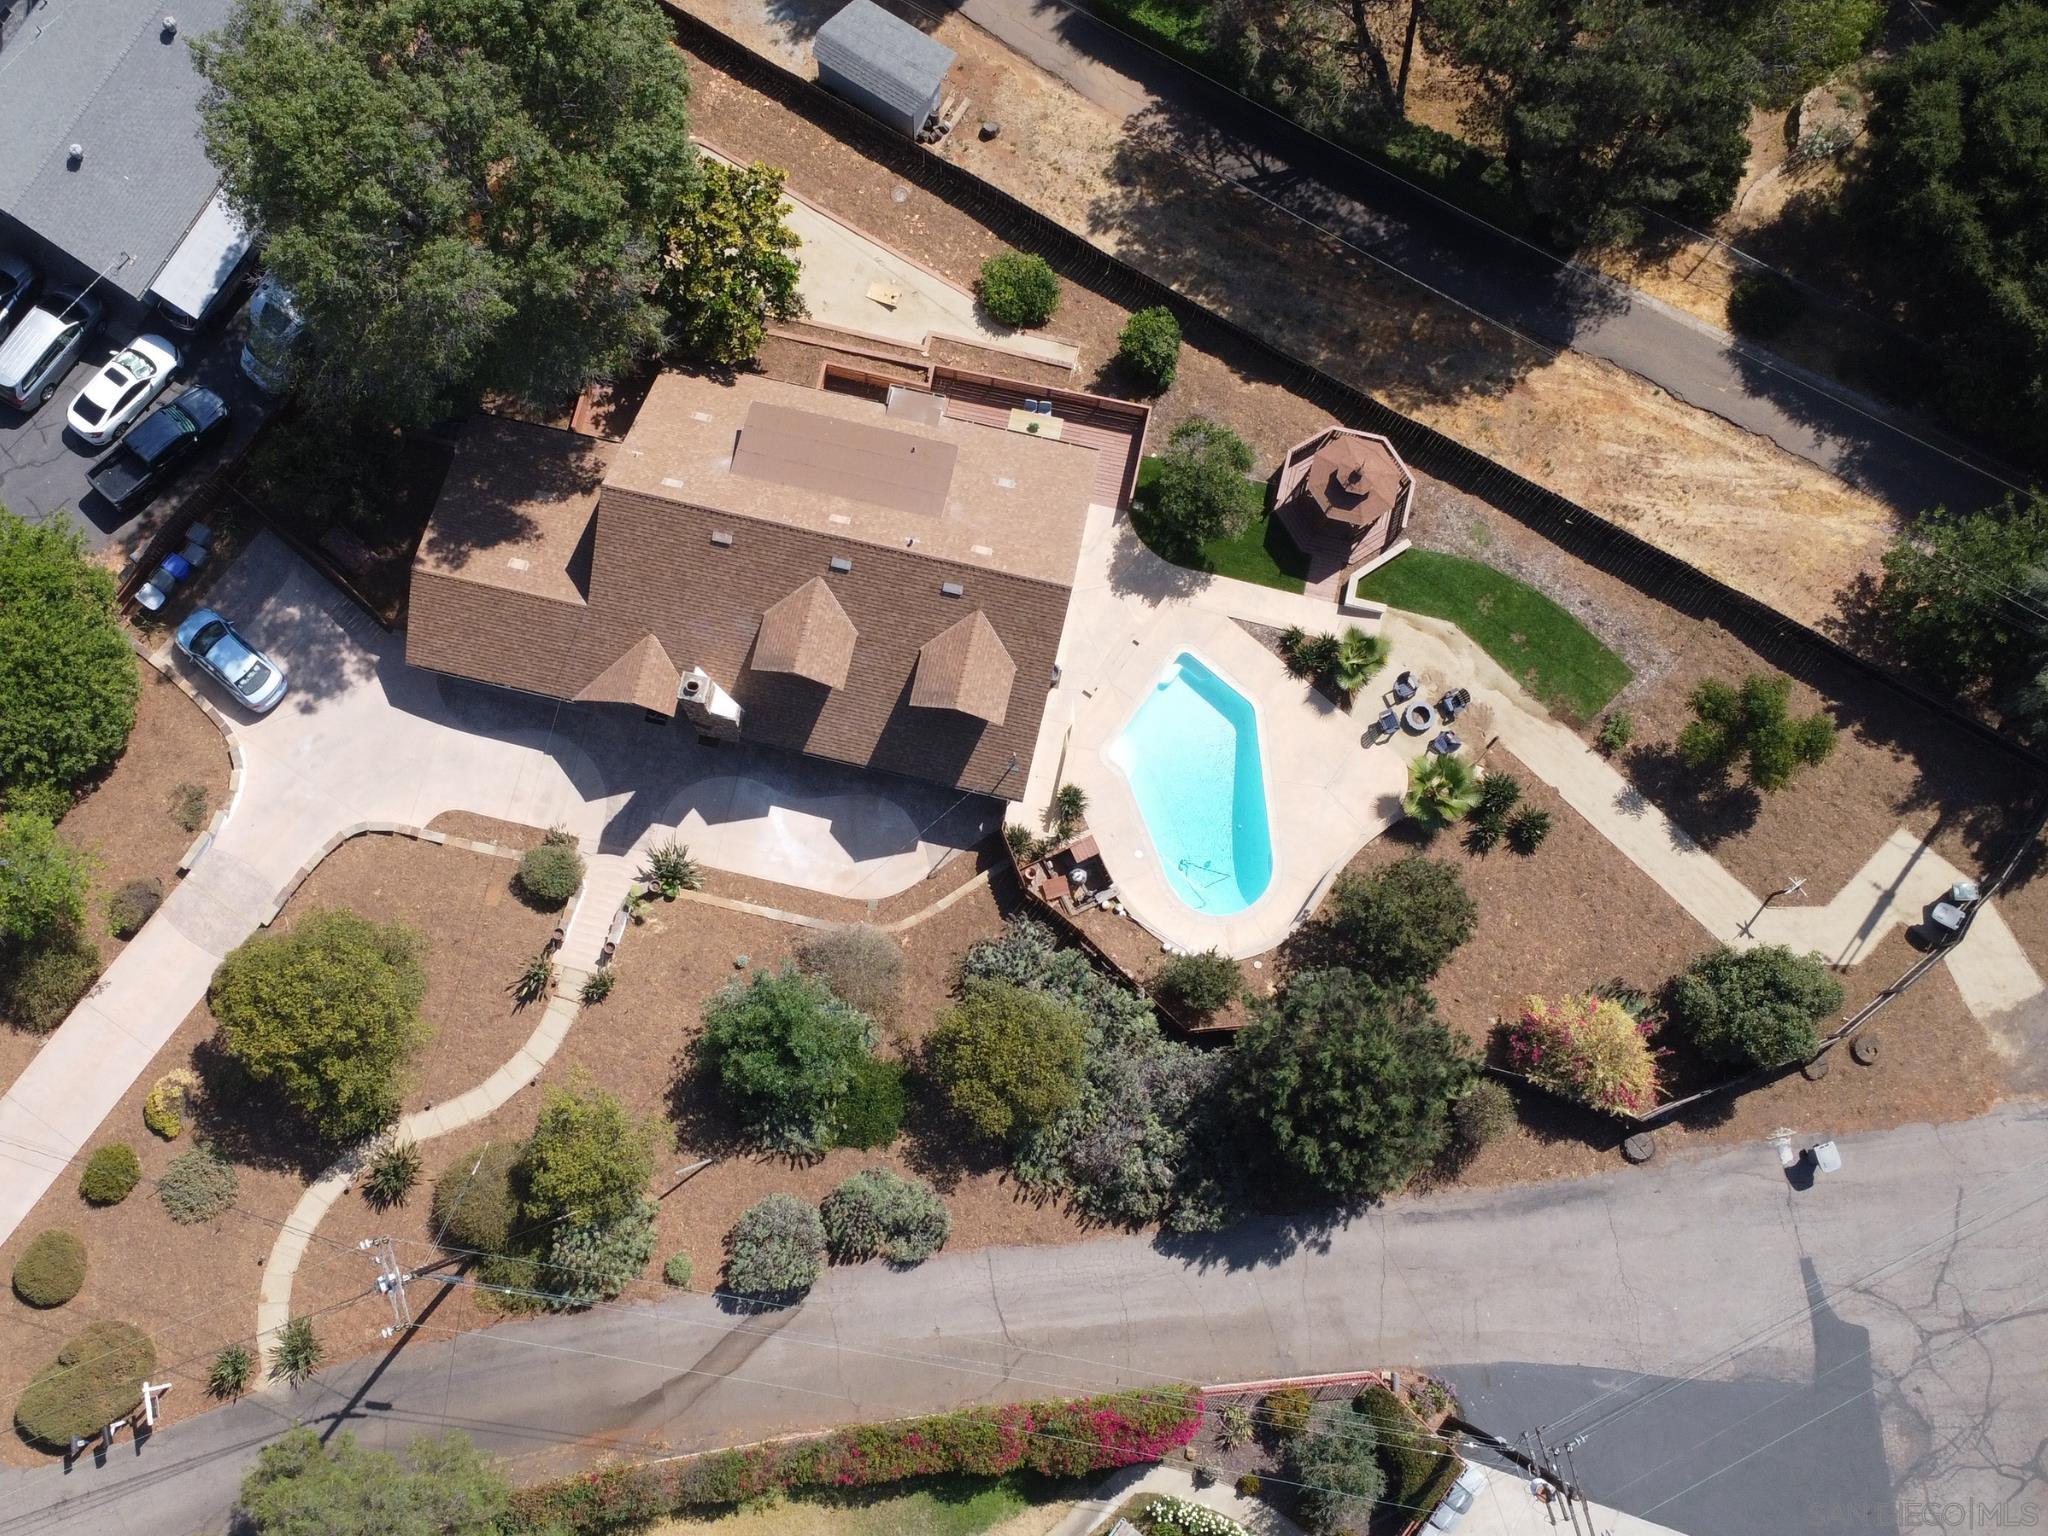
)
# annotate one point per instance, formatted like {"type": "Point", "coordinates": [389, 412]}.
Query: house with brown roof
{"type": "Point", "coordinates": [879, 581]}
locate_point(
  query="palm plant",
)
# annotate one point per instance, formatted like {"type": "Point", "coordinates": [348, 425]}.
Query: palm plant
{"type": "Point", "coordinates": [392, 1172]}
{"type": "Point", "coordinates": [1359, 656]}
{"type": "Point", "coordinates": [535, 982]}
{"type": "Point", "coordinates": [229, 1374]}
{"type": "Point", "coordinates": [1441, 789]}
{"type": "Point", "coordinates": [297, 1353]}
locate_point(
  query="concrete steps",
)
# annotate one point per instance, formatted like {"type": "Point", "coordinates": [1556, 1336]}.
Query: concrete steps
{"type": "Point", "coordinates": [609, 876]}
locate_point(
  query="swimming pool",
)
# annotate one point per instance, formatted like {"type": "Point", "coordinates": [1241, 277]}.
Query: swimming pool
{"type": "Point", "coordinates": [1191, 754]}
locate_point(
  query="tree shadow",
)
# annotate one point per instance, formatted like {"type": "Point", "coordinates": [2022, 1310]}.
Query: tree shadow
{"type": "Point", "coordinates": [1705, 807]}
{"type": "Point", "coordinates": [246, 1122]}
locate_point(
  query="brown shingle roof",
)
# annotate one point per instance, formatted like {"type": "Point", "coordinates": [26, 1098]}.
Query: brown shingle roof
{"type": "Point", "coordinates": [642, 675]}
{"type": "Point", "coordinates": [807, 634]}
{"type": "Point", "coordinates": [965, 669]}
{"type": "Point", "coordinates": [856, 459]}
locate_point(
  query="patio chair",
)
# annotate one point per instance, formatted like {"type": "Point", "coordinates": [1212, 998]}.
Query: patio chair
{"type": "Point", "coordinates": [1445, 743]}
{"type": "Point", "coordinates": [1389, 722]}
{"type": "Point", "coordinates": [1452, 704]}
{"type": "Point", "coordinates": [1405, 687]}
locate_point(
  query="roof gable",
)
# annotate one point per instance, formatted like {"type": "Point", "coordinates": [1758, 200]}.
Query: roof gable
{"type": "Point", "coordinates": [808, 634]}
{"type": "Point", "coordinates": [643, 675]}
{"type": "Point", "coordinates": [965, 669]}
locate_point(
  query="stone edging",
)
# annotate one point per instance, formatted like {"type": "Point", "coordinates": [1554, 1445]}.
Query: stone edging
{"type": "Point", "coordinates": [380, 829]}
{"type": "Point", "coordinates": [160, 661]}
{"type": "Point", "coordinates": [805, 920]}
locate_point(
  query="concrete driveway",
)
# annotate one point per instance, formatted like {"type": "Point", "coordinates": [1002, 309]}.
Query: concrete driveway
{"type": "Point", "coordinates": [362, 737]}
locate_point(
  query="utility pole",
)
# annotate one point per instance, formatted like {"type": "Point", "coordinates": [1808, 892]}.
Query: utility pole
{"type": "Point", "coordinates": [391, 1278]}
{"type": "Point", "coordinates": [1791, 887]}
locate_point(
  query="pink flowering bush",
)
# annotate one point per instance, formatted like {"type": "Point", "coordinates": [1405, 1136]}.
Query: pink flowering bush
{"type": "Point", "coordinates": [1590, 1049]}
{"type": "Point", "coordinates": [1061, 1439]}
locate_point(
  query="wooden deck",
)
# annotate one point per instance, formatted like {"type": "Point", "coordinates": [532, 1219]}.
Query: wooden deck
{"type": "Point", "coordinates": [1113, 428]}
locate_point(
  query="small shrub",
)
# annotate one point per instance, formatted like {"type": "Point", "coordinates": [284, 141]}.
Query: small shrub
{"type": "Point", "coordinates": [537, 980]}
{"type": "Point", "coordinates": [1751, 724]}
{"type": "Point", "coordinates": [51, 1269]}
{"type": "Point", "coordinates": [597, 986]}
{"type": "Point", "coordinates": [1069, 805]}
{"type": "Point", "coordinates": [50, 979]}
{"type": "Point", "coordinates": [188, 806]}
{"type": "Point", "coordinates": [1759, 1007]}
{"type": "Point", "coordinates": [231, 1371]}
{"type": "Point", "coordinates": [1286, 1411]}
{"type": "Point", "coordinates": [1402, 922]}
{"type": "Point", "coordinates": [132, 906]}
{"type": "Point", "coordinates": [1149, 345]}
{"type": "Point", "coordinates": [110, 1173]}
{"type": "Point", "coordinates": [871, 1112]}
{"type": "Point", "coordinates": [1617, 730]}
{"type": "Point", "coordinates": [1338, 1465]}
{"type": "Point", "coordinates": [1234, 1425]}
{"type": "Point", "coordinates": [1589, 1049]}
{"type": "Point", "coordinates": [1022, 840]}
{"type": "Point", "coordinates": [1019, 290]}
{"type": "Point", "coordinates": [1249, 1486]}
{"type": "Point", "coordinates": [879, 1213]}
{"type": "Point", "coordinates": [862, 965]}
{"type": "Point", "coordinates": [550, 875]}
{"type": "Point", "coordinates": [1483, 833]}
{"type": "Point", "coordinates": [671, 869]}
{"type": "Point", "coordinates": [784, 1051]}
{"type": "Point", "coordinates": [592, 1263]}
{"type": "Point", "coordinates": [197, 1186]}
{"type": "Point", "coordinates": [1499, 793]}
{"type": "Point", "coordinates": [96, 1378]}
{"type": "Point", "coordinates": [1410, 1459]}
{"type": "Point", "coordinates": [677, 1271]}
{"type": "Point", "coordinates": [164, 1110]}
{"type": "Point", "coordinates": [1199, 985]}
{"type": "Point", "coordinates": [392, 1172]}
{"type": "Point", "coordinates": [1485, 1114]}
{"type": "Point", "coordinates": [297, 1353]}
{"type": "Point", "coordinates": [776, 1249]}
{"type": "Point", "coordinates": [473, 1206]}
{"type": "Point", "coordinates": [1008, 1059]}
{"type": "Point", "coordinates": [1527, 829]}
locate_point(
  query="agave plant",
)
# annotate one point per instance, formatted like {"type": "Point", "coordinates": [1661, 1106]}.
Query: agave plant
{"type": "Point", "coordinates": [671, 869]}
{"type": "Point", "coordinates": [1441, 789]}
{"type": "Point", "coordinates": [1359, 656]}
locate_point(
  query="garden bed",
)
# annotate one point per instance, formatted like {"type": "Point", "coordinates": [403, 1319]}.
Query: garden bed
{"type": "Point", "coordinates": [195, 1287]}
{"type": "Point", "coordinates": [1264, 553]}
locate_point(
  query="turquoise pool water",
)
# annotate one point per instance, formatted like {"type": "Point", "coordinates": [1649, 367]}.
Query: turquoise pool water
{"type": "Point", "coordinates": [1191, 753]}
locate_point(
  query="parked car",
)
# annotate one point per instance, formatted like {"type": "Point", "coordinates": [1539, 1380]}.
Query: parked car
{"type": "Point", "coordinates": [44, 345]}
{"type": "Point", "coordinates": [18, 283]}
{"type": "Point", "coordinates": [218, 647]}
{"type": "Point", "coordinates": [1470, 1484]}
{"type": "Point", "coordinates": [274, 326]}
{"type": "Point", "coordinates": [122, 390]}
{"type": "Point", "coordinates": [159, 447]}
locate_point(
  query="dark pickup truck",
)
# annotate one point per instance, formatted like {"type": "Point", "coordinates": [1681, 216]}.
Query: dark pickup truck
{"type": "Point", "coordinates": [158, 446]}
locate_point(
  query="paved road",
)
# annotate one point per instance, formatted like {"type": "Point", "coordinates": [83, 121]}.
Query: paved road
{"type": "Point", "coordinates": [1921, 1376]}
{"type": "Point", "coordinates": [1496, 274]}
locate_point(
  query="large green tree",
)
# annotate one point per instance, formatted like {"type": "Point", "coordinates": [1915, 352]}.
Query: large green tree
{"type": "Point", "coordinates": [1953, 195]}
{"type": "Point", "coordinates": [462, 195]}
{"type": "Point", "coordinates": [304, 1486]}
{"type": "Point", "coordinates": [328, 1012]}
{"type": "Point", "coordinates": [726, 271]}
{"type": "Point", "coordinates": [1605, 108]}
{"type": "Point", "coordinates": [1354, 1080]}
{"type": "Point", "coordinates": [1959, 601]}
{"type": "Point", "coordinates": [588, 1162]}
{"type": "Point", "coordinates": [43, 882]}
{"type": "Point", "coordinates": [67, 678]}
{"type": "Point", "coordinates": [1008, 1059]}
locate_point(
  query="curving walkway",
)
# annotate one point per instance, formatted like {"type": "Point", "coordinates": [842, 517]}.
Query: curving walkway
{"type": "Point", "coordinates": [364, 739]}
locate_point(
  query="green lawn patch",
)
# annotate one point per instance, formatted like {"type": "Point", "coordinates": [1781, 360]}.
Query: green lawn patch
{"type": "Point", "coordinates": [1553, 654]}
{"type": "Point", "coordinates": [1262, 554]}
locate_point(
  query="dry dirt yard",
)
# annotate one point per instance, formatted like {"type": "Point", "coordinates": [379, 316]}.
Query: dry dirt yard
{"type": "Point", "coordinates": [1727, 500]}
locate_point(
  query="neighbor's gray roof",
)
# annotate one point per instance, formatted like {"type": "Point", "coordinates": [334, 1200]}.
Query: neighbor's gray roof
{"type": "Point", "coordinates": [888, 57]}
{"type": "Point", "coordinates": [100, 74]}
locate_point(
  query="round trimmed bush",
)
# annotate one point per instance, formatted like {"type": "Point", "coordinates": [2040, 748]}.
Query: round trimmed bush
{"type": "Point", "coordinates": [1485, 1114]}
{"type": "Point", "coordinates": [110, 1173]}
{"type": "Point", "coordinates": [776, 1249]}
{"type": "Point", "coordinates": [871, 1113]}
{"type": "Point", "coordinates": [96, 1378]}
{"type": "Point", "coordinates": [50, 1270]}
{"type": "Point", "coordinates": [1199, 984]}
{"type": "Point", "coordinates": [473, 1202]}
{"type": "Point", "coordinates": [1019, 290]}
{"type": "Point", "coordinates": [879, 1213]}
{"type": "Point", "coordinates": [1759, 1007]}
{"type": "Point", "coordinates": [677, 1271]}
{"type": "Point", "coordinates": [164, 1110]}
{"type": "Point", "coordinates": [1149, 346]}
{"type": "Point", "coordinates": [49, 980]}
{"type": "Point", "coordinates": [861, 964]}
{"type": "Point", "coordinates": [132, 906]}
{"type": "Point", "coordinates": [550, 874]}
{"type": "Point", "coordinates": [197, 1186]}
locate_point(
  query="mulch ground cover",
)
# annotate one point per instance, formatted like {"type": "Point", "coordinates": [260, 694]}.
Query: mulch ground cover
{"type": "Point", "coordinates": [129, 823]}
{"type": "Point", "coordinates": [195, 1287]}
